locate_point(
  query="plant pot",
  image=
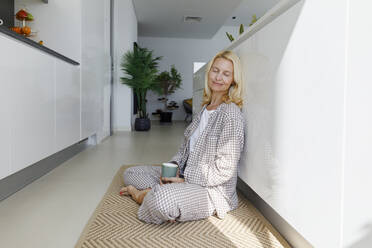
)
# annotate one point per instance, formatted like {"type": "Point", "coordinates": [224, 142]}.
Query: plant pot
{"type": "Point", "coordinates": [142, 124]}
{"type": "Point", "coordinates": [166, 116]}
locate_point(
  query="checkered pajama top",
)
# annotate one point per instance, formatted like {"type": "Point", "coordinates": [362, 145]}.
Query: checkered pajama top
{"type": "Point", "coordinates": [214, 161]}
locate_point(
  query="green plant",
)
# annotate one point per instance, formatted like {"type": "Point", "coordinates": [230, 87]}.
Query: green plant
{"type": "Point", "coordinates": [241, 28]}
{"type": "Point", "coordinates": [141, 71]}
{"type": "Point", "coordinates": [230, 37]}
{"type": "Point", "coordinates": [254, 19]}
{"type": "Point", "coordinates": [167, 84]}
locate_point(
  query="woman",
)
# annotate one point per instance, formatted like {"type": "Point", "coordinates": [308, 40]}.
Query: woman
{"type": "Point", "coordinates": [207, 159]}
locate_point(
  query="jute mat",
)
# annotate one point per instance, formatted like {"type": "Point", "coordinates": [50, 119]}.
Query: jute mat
{"type": "Point", "coordinates": [115, 224]}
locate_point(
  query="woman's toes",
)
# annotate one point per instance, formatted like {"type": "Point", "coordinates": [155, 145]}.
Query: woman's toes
{"type": "Point", "coordinates": [124, 191]}
{"type": "Point", "coordinates": [128, 190]}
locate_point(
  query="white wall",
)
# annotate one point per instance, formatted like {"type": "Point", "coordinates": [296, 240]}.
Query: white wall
{"type": "Point", "coordinates": [295, 149]}
{"type": "Point", "coordinates": [58, 24]}
{"type": "Point", "coordinates": [125, 33]}
{"type": "Point", "coordinates": [95, 68]}
{"type": "Point", "coordinates": [357, 200]}
{"type": "Point", "coordinates": [294, 112]}
{"type": "Point", "coordinates": [183, 53]}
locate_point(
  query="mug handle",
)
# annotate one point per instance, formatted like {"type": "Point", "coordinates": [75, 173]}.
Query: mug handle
{"type": "Point", "coordinates": [1, 22]}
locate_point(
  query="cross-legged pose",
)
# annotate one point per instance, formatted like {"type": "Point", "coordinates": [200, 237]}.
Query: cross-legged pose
{"type": "Point", "coordinates": [207, 159]}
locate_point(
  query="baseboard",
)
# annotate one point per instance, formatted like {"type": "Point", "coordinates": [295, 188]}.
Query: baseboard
{"type": "Point", "coordinates": [123, 128]}
{"type": "Point", "coordinates": [22, 178]}
{"type": "Point", "coordinates": [282, 226]}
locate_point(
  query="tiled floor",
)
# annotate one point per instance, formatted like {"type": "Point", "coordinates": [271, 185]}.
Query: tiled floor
{"type": "Point", "coordinates": [52, 211]}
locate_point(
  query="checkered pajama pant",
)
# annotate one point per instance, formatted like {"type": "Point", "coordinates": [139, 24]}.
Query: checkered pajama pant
{"type": "Point", "coordinates": [175, 201]}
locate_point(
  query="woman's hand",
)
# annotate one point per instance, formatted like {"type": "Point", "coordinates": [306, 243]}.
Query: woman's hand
{"type": "Point", "coordinates": [172, 180]}
{"type": "Point", "coordinates": [176, 179]}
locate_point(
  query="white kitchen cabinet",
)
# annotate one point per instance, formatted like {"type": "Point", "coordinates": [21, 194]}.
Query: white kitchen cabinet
{"type": "Point", "coordinates": [39, 105]}
{"type": "Point", "coordinates": [32, 104]}
{"type": "Point", "coordinates": [4, 115]}
{"type": "Point", "coordinates": [67, 104]}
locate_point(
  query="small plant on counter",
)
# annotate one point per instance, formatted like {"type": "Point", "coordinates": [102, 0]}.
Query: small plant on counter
{"type": "Point", "coordinates": [23, 16]}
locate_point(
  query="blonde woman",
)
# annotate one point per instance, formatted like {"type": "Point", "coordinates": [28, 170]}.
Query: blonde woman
{"type": "Point", "coordinates": [208, 158]}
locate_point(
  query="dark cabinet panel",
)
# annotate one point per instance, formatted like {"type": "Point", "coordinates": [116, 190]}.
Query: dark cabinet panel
{"type": "Point", "coordinates": [7, 12]}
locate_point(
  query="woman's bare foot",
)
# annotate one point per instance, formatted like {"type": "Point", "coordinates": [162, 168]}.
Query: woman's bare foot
{"type": "Point", "coordinates": [125, 190]}
{"type": "Point", "coordinates": [137, 195]}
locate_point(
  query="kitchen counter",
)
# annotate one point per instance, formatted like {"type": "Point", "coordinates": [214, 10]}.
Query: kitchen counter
{"type": "Point", "coordinates": [36, 45]}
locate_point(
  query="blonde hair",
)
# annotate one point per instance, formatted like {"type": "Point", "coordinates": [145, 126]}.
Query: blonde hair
{"type": "Point", "coordinates": [235, 92]}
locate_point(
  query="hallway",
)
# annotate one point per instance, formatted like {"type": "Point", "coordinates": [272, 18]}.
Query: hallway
{"type": "Point", "coordinates": [53, 210]}
{"type": "Point", "coordinates": [307, 102]}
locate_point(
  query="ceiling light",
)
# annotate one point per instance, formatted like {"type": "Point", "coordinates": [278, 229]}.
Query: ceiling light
{"type": "Point", "coordinates": [192, 19]}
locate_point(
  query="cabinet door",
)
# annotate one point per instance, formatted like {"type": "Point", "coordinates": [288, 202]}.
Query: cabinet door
{"type": "Point", "coordinates": [67, 104]}
{"type": "Point", "coordinates": [4, 113]}
{"type": "Point", "coordinates": [32, 104]}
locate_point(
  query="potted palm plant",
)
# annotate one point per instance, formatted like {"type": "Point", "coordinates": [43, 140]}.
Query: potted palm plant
{"type": "Point", "coordinates": [167, 84]}
{"type": "Point", "coordinates": [141, 71]}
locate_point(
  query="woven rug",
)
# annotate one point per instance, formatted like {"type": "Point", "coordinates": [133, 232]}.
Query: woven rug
{"type": "Point", "coordinates": [115, 224]}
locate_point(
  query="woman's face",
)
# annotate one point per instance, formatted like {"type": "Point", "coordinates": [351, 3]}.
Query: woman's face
{"type": "Point", "coordinates": [221, 76]}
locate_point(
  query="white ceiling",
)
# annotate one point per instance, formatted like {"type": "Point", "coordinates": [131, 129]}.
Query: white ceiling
{"type": "Point", "coordinates": [164, 18]}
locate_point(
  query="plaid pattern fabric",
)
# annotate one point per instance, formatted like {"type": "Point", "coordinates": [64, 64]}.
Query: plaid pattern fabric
{"type": "Point", "coordinates": [213, 164]}
{"type": "Point", "coordinates": [142, 177]}
{"type": "Point", "coordinates": [176, 201]}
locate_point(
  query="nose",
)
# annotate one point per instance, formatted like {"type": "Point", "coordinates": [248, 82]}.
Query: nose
{"type": "Point", "coordinates": [218, 76]}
